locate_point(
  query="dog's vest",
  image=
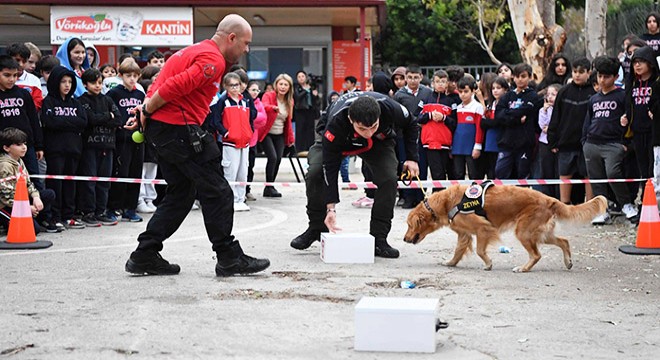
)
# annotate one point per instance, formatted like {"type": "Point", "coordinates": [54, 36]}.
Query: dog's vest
{"type": "Point", "coordinates": [473, 200]}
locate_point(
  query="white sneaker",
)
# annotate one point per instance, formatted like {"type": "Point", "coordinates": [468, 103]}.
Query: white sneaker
{"type": "Point", "coordinates": [241, 207]}
{"type": "Point", "coordinates": [151, 206]}
{"type": "Point", "coordinates": [629, 210]}
{"type": "Point", "coordinates": [144, 208]}
{"type": "Point", "coordinates": [602, 219]}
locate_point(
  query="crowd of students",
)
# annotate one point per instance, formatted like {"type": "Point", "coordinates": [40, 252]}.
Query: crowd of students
{"type": "Point", "coordinates": [72, 121]}
{"type": "Point", "coordinates": [585, 119]}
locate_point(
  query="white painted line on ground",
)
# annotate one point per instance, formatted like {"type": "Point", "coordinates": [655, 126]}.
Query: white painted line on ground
{"type": "Point", "coordinates": [278, 217]}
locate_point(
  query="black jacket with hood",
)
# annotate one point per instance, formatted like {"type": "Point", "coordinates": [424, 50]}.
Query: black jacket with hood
{"type": "Point", "coordinates": [103, 119]}
{"type": "Point", "coordinates": [638, 92]}
{"type": "Point", "coordinates": [568, 113]}
{"type": "Point", "coordinates": [63, 118]}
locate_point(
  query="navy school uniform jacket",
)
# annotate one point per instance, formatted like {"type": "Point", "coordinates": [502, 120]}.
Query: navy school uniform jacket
{"type": "Point", "coordinates": [340, 140]}
{"type": "Point", "coordinates": [17, 110]}
{"type": "Point", "coordinates": [233, 117]}
{"type": "Point", "coordinates": [436, 135]}
{"type": "Point", "coordinates": [571, 105]}
{"type": "Point", "coordinates": [101, 125]}
{"type": "Point", "coordinates": [602, 124]}
{"type": "Point", "coordinates": [63, 119]}
{"type": "Point", "coordinates": [517, 135]}
{"type": "Point", "coordinates": [126, 100]}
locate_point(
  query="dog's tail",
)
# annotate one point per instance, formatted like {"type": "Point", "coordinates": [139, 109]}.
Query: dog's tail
{"type": "Point", "coordinates": [580, 213]}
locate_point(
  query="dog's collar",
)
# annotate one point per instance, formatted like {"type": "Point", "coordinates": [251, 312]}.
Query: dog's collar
{"type": "Point", "coordinates": [452, 213]}
{"type": "Point", "coordinates": [428, 207]}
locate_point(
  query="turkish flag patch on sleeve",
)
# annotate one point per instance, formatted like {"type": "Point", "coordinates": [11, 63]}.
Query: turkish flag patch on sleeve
{"type": "Point", "coordinates": [328, 135]}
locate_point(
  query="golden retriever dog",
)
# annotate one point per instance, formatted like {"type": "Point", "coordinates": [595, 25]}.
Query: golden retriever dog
{"type": "Point", "coordinates": [531, 213]}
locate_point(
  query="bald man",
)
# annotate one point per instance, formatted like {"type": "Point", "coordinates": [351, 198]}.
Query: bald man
{"type": "Point", "coordinates": [176, 105]}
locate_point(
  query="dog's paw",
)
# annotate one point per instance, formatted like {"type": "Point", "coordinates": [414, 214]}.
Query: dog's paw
{"type": "Point", "coordinates": [519, 269]}
{"type": "Point", "coordinates": [488, 268]}
{"type": "Point", "coordinates": [569, 264]}
{"type": "Point", "coordinates": [449, 263]}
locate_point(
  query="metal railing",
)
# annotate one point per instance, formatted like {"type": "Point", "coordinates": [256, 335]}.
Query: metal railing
{"type": "Point", "coordinates": [474, 70]}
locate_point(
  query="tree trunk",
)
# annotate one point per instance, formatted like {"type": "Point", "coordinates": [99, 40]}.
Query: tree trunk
{"type": "Point", "coordinates": [538, 42]}
{"type": "Point", "coordinates": [595, 27]}
{"type": "Point", "coordinates": [547, 11]}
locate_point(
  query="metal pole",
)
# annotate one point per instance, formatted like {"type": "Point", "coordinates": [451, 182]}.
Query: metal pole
{"type": "Point", "coordinates": [363, 50]}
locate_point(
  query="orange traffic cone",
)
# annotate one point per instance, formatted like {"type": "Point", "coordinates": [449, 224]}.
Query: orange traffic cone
{"type": "Point", "coordinates": [21, 228]}
{"type": "Point", "coordinates": [648, 232]}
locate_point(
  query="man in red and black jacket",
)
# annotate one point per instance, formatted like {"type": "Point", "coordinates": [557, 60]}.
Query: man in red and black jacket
{"type": "Point", "coordinates": [176, 105]}
{"type": "Point", "coordinates": [363, 124]}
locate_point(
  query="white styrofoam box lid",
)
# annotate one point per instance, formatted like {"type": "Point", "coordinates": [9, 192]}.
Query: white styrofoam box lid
{"type": "Point", "coordinates": [397, 305]}
{"type": "Point", "coordinates": [347, 236]}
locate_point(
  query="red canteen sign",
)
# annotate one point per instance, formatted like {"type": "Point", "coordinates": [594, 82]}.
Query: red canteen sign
{"type": "Point", "coordinates": [83, 24]}
{"type": "Point", "coordinates": [166, 27]}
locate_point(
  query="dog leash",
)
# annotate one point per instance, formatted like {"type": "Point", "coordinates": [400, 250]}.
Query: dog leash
{"type": "Point", "coordinates": [407, 176]}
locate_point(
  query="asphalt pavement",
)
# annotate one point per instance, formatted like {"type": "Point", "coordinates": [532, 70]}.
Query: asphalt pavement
{"type": "Point", "coordinates": [74, 300]}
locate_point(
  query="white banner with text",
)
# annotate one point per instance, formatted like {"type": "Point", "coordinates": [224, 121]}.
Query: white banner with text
{"type": "Point", "coordinates": [149, 26]}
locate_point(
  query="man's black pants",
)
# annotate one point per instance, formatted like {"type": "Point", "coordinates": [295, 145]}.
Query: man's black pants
{"type": "Point", "coordinates": [382, 160]}
{"type": "Point", "coordinates": [189, 175]}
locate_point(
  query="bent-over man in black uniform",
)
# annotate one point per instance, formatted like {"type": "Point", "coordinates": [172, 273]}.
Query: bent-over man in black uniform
{"type": "Point", "coordinates": [363, 124]}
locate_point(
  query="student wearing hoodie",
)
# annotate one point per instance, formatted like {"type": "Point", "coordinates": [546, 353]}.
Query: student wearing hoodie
{"type": "Point", "coordinates": [643, 74]}
{"type": "Point", "coordinates": [73, 56]}
{"type": "Point", "coordinates": [129, 155]}
{"type": "Point", "coordinates": [64, 120]}
{"type": "Point", "coordinates": [17, 110]}
{"type": "Point", "coordinates": [98, 147]}
{"type": "Point", "coordinates": [565, 128]}
{"type": "Point", "coordinates": [92, 55]}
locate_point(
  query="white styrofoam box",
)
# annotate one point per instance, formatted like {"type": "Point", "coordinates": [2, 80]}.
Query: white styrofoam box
{"type": "Point", "coordinates": [395, 324]}
{"type": "Point", "coordinates": [347, 248]}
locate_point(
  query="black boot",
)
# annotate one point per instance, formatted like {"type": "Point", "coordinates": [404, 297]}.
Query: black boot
{"type": "Point", "coordinates": [150, 263]}
{"type": "Point", "coordinates": [233, 261]}
{"type": "Point", "coordinates": [384, 250]}
{"type": "Point", "coordinates": [306, 239]}
{"type": "Point", "coordinates": [270, 191]}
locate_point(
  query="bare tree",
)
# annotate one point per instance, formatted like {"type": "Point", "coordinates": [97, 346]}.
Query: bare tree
{"type": "Point", "coordinates": [539, 37]}
{"type": "Point", "coordinates": [483, 22]}
{"type": "Point", "coordinates": [489, 20]}
{"type": "Point", "coordinates": [595, 15]}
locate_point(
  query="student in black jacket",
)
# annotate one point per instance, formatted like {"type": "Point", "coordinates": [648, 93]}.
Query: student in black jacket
{"type": "Point", "coordinates": [565, 129]}
{"type": "Point", "coordinates": [17, 110]}
{"type": "Point", "coordinates": [64, 120]}
{"type": "Point", "coordinates": [103, 118]}
{"type": "Point", "coordinates": [518, 113]}
{"type": "Point", "coordinates": [128, 155]}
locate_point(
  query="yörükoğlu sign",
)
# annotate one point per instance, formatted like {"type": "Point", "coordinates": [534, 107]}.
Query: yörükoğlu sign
{"type": "Point", "coordinates": [155, 26]}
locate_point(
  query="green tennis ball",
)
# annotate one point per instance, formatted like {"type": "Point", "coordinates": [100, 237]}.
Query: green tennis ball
{"type": "Point", "coordinates": [138, 137]}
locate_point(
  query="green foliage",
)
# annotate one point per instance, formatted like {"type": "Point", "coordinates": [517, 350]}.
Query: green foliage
{"type": "Point", "coordinates": [626, 5]}
{"type": "Point", "coordinates": [441, 32]}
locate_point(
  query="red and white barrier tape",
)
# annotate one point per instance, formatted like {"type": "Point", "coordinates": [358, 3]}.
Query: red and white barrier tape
{"type": "Point", "coordinates": [350, 185]}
